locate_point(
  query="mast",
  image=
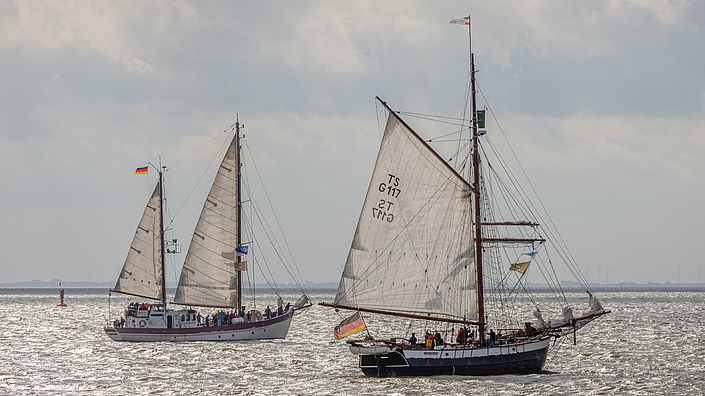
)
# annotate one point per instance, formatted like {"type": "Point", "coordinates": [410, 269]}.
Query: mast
{"type": "Point", "coordinates": [161, 231]}
{"type": "Point", "coordinates": [476, 185]}
{"type": "Point", "coordinates": [239, 213]}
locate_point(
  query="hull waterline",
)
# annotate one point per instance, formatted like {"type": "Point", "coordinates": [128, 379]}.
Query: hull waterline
{"type": "Point", "coordinates": [275, 328]}
{"type": "Point", "coordinates": [527, 358]}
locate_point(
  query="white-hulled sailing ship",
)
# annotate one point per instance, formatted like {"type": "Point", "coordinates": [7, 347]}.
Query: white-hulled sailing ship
{"type": "Point", "coordinates": [451, 254]}
{"type": "Point", "coordinates": [212, 274]}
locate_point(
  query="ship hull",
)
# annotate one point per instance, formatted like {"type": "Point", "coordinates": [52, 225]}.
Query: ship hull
{"type": "Point", "coordinates": [275, 328]}
{"type": "Point", "coordinates": [526, 358]}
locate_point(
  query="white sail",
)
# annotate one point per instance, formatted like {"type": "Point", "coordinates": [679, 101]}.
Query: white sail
{"type": "Point", "coordinates": [141, 274]}
{"type": "Point", "coordinates": [208, 277]}
{"type": "Point", "coordinates": [412, 251]}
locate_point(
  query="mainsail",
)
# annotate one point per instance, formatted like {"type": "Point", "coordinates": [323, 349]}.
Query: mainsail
{"type": "Point", "coordinates": [141, 274]}
{"type": "Point", "coordinates": [208, 277]}
{"type": "Point", "coordinates": [412, 251]}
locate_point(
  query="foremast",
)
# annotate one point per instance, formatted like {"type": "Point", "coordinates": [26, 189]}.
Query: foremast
{"type": "Point", "coordinates": [161, 230]}
{"type": "Point", "coordinates": [142, 274]}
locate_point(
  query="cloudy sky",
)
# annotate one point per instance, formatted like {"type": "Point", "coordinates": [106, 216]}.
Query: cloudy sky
{"type": "Point", "coordinates": [604, 103]}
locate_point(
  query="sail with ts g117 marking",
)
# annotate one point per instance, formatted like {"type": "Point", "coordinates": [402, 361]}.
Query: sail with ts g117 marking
{"type": "Point", "coordinates": [209, 276]}
{"type": "Point", "coordinates": [446, 253]}
{"type": "Point", "coordinates": [141, 274]}
{"type": "Point", "coordinates": [412, 251]}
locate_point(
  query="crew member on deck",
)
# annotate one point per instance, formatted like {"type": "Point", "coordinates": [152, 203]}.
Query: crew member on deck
{"type": "Point", "coordinates": [431, 341]}
{"type": "Point", "coordinates": [439, 339]}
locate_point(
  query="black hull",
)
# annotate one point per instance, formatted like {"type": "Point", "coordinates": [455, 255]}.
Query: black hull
{"type": "Point", "coordinates": [395, 364]}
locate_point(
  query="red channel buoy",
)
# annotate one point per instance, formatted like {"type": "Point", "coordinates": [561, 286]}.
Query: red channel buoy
{"type": "Point", "coordinates": [61, 294]}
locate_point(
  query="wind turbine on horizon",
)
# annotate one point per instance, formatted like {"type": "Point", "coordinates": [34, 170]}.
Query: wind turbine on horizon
{"type": "Point", "coordinates": [599, 274]}
{"type": "Point", "coordinates": [679, 274]}
{"type": "Point", "coordinates": [607, 275]}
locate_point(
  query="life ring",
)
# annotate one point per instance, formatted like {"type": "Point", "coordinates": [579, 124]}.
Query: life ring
{"type": "Point", "coordinates": [143, 323]}
{"type": "Point", "coordinates": [258, 315]}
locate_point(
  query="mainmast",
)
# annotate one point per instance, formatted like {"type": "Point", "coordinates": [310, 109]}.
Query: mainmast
{"type": "Point", "coordinates": [476, 185]}
{"type": "Point", "coordinates": [239, 213]}
{"type": "Point", "coordinates": [161, 230]}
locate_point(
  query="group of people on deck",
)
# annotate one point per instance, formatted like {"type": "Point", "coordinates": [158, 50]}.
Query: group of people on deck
{"type": "Point", "coordinates": [269, 314]}
{"type": "Point", "coordinates": [134, 307]}
{"type": "Point", "coordinates": [220, 318]}
{"type": "Point", "coordinates": [431, 339]}
{"type": "Point", "coordinates": [465, 337]}
{"type": "Point", "coordinates": [224, 318]}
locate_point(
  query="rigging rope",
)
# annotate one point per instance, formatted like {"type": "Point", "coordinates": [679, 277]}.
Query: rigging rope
{"type": "Point", "coordinates": [215, 156]}
{"type": "Point", "coordinates": [295, 267]}
{"type": "Point", "coordinates": [572, 260]}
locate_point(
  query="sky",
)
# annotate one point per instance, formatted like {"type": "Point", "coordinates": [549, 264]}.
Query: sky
{"type": "Point", "coordinates": [603, 101]}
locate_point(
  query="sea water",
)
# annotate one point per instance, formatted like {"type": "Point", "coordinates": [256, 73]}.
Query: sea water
{"type": "Point", "coordinates": [651, 343]}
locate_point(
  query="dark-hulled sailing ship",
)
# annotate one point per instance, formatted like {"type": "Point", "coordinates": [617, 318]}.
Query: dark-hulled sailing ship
{"type": "Point", "coordinates": [440, 249]}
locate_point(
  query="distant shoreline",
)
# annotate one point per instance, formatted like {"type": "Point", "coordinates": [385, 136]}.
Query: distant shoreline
{"type": "Point", "coordinates": [54, 283]}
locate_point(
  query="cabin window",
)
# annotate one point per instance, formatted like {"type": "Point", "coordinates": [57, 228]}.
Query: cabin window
{"type": "Point", "coordinates": [182, 318]}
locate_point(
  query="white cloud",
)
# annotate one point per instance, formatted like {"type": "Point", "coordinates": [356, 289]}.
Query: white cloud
{"type": "Point", "coordinates": [45, 28]}
{"type": "Point", "coordinates": [338, 38]}
{"type": "Point", "coordinates": [672, 14]}
{"type": "Point", "coordinates": [172, 75]}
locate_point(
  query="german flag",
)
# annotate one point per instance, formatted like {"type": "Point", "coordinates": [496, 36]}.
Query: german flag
{"type": "Point", "coordinates": [350, 325]}
{"type": "Point", "coordinates": [141, 171]}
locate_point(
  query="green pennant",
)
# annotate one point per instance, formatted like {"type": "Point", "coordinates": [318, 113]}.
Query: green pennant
{"type": "Point", "coordinates": [481, 118]}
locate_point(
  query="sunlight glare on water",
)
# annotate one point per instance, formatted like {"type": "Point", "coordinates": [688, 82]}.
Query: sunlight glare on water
{"type": "Point", "coordinates": [650, 344]}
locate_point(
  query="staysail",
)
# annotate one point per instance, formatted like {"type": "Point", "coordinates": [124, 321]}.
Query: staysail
{"type": "Point", "coordinates": [141, 274]}
{"type": "Point", "coordinates": [412, 251]}
{"type": "Point", "coordinates": [208, 277]}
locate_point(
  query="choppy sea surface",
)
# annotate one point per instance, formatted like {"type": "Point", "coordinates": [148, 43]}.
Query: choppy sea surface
{"type": "Point", "coordinates": [651, 343]}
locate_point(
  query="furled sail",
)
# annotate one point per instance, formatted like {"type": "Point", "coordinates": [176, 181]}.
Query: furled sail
{"type": "Point", "coordinates": [208, 277]}
{"type": "Point", "coordinates": [141, 274]}
{"type": "Point", "coordinates": [412, 251]}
